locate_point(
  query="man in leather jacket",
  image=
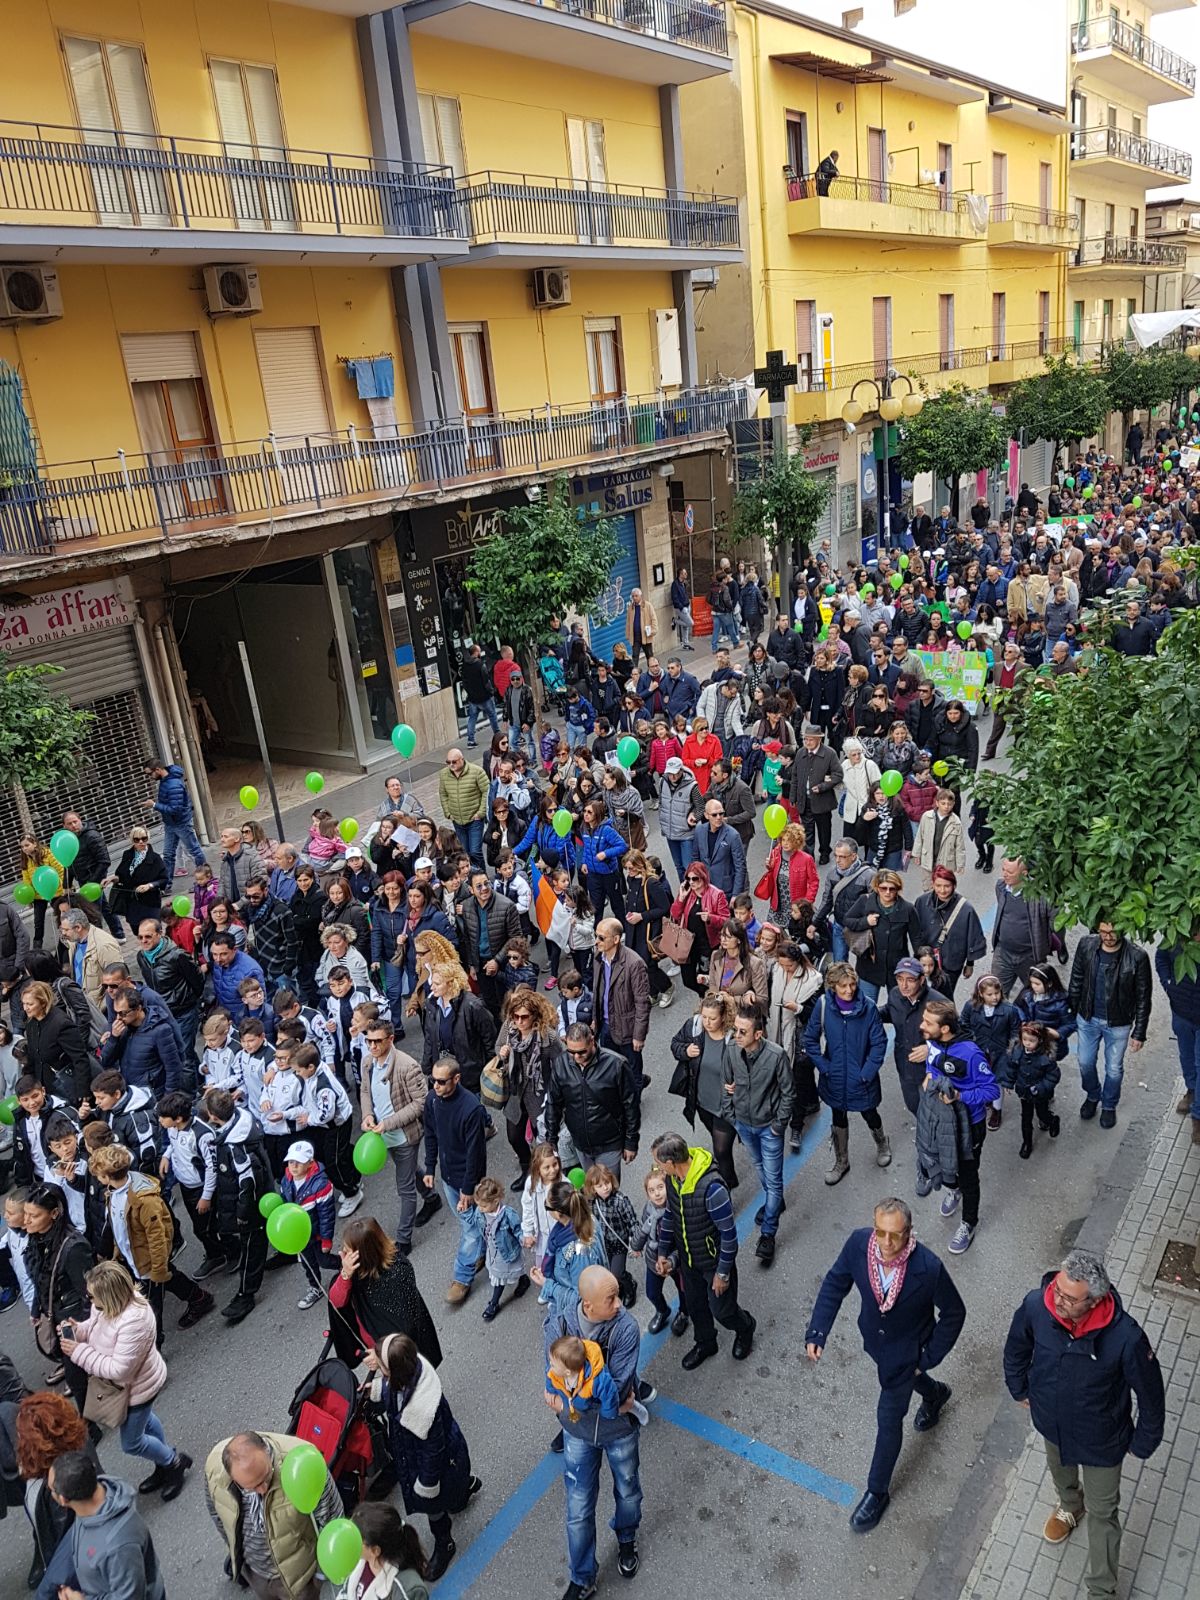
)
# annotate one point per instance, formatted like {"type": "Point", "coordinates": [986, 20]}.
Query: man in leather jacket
{"type": "Point", "coordinates": [1109, 991]}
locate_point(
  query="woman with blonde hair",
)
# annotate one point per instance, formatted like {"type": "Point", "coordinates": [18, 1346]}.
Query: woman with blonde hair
{"type": "Point", "coordinates": [791, 873]}
{"type": "Point", "coordinates": [55, 1052]}
{"type": "Point", "coordinates": [528, 1047]}
{"type": "Point", "coordinates": [457, 1023]}
{"type": "Point", "coordinates": [337, 943]}
{"type": "Point", "coordinates": [430, 949]}
{"type": "Point", "coordinates": [35, 854]}
{"type": "Point", "coordinates": [116, 1345]}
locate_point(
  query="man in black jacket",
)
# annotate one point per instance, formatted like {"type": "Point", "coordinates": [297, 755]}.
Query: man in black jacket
{"type": "Point", "coordinates": [1109, 992]}
{"type": "Point", "coordinates": [486, 923]}
{"type": "Point", "coordinates": [907, 999]}
{"type": "Point", "coordinates": [478, 690]}
{"type": "Point", "coordinates": [14, 947]}
{"type": "Point", "coordinates": [172, 973]}
{"type": "Point", "coordinates": [1077, 1359]}
{"type": "Point", "coordinates": [92, 864]}
{"type": "Point", "coordinates": [597, 1094]}
{"type": "Point", "coordinates": [274, 941]}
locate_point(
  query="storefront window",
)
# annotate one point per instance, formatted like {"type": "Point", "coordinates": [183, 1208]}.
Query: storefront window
{"type": "Point", "coordinates": [365, 637]}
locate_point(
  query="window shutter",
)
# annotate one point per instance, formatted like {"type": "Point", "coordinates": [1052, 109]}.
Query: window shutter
{"type": "Point", "coordinates": [232, 113]}
{"type": "Point", "coordinates": [151, 357]}
{"type": "Point", "coordinates": [291, 377]}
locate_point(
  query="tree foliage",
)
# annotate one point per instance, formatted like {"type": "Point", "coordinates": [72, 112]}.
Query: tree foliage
{"type": "Point", "coordinates": [1100, 799]}
{"type": "Point", "coordinates": [785, 502]}
{"type": "Point", "coordinates": [41, 733]}
{"type": "Point", "coordinates": [1063, 404]}
{"type": "Point", "coordinates": [546, 562]}
{"type": "Point", "coordinates": [954, 433]}
{"type": "Point", "coordinates": [1136, 382]}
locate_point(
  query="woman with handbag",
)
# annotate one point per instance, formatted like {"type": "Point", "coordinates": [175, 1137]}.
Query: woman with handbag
{"type": "Point", "coordinates": [141, 881]}
{"type": "Point", "coordinates": [59, 1261]}
{"type": "Point", "coordinates": [699, 1049]}
{"type": "Point", "coordinates": [625, 807]}
{"type": "Point", "coordinates": [734, 970]}
{"type": "Point", "coordinates": [790, 875]}
{"type": "Point", "coordinates": [375, 1294]}
{"type": "Point", "coordinates": [648, 902]}
{"type": "Point", "coordinates": [116, 1348]}
{"type": "Point", "coordinates": [527, 1049]}
{"type": "Point", "coordinates": [694, 929]}
{"type": "Point", "coordinates": [859, 777]}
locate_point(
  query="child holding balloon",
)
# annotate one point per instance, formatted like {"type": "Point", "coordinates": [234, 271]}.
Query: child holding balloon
{"type": "Point", "coordinates": [325, 1116]}
{"type": "Point", "coordinates": [305, 1183]}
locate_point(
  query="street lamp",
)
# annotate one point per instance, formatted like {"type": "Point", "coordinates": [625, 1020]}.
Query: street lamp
{"type": "Point", "coordinates": [891, 407]}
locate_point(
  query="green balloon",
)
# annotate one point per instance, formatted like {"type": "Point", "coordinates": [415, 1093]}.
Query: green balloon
{"type": "Point", "coordinates": [348, 828]}
{"type": "Point", "coordinates": [181, 906]}
{"type": "Point", "coordinates": [302, 1478]}
{"type": "Point", "coordinates": [248, 795]}
{"type": "Point", "coordinates": [8, 1109]}
{"type": "Point", "coordinates": [339, 1549]}
{"type": "Point", "coordinates": [64, 847]}
{"type": "Point", "coordinates": [891, 782]}
{"type": "Point", "coordinates": [940, 768]}
{"type": "Point", "coordinates": [896, 581]}
{"type": "Point", "coordinates": [561, 823]}
{"type": "Point", "coordinates": [314, 782]}
{"type": "Point", "coordinates": [370, 1153]}
{"type": "Point", "coordinates": [830, 590]}
{"type": "Point", "coordinates": [23, 894]}
{"type": "Point", "coordinates": [775, 820]}
{"type": "Point", "coordinates": [1136, 502]}
{"type": "Point", "coordinates": [289, 1229]}
{"type": "Point", "coordinates": [91, 891]}
{"type": "Point", "coordinates": [964, 630]}
{"type": "Point", "coordinates": [270, 1202]}
{"type": "Point", "coordinates": [1088, 491]}
{"type": "Point", "coordinates": [903, 563]}
{"type": "Point", "coordinates": [1069, 482]}
{"type": "Point", "coordinates": [577, 1177]}
{"type": "Point", "coordinates": [628, 750]}
{"type": "Point", "coordinates": [405, 739]}
{"type": "Point", "coordinates": [46, 882]}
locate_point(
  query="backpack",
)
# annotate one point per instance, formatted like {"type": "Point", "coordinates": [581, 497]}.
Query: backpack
{"type": "Point", "coordinates": [93, 1024]}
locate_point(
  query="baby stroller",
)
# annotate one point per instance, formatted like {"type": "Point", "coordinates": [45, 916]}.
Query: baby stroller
{"type": "Point", "coordinates": [330, 1411]}
{"type": "Point", "coordinates": [554, 680]}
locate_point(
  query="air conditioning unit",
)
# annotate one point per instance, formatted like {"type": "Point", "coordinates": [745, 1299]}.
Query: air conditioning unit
{"type": "Point", "coordinates": [551, 287]}
{"type": "Point", "coordinates": [29, 294]}
{"type": "Point", "coordinates": [232, 291]}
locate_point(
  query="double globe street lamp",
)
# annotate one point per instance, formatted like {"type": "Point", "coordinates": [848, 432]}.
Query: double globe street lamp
{"type": "Point", "coordinates": [891, 407]}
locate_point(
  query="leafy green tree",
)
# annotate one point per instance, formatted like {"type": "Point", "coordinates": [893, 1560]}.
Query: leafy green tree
{"type": "Point", "coordinates": [1181, 379]}
{"type": "Point", "coordinates": [954, 433]}
{"type": "Point", "coordinates": [1100, 798]}
{"type": "Point", "coordinates": [1064, 404]}
{"type": "Point", "coordinates": [41, 733]}
{"type": "Point", "coordinates": [785, 503]}
{"type": "Point", "coordinates": [547, 561]}
{"type": "Point", "coordinates": [1135, 382]}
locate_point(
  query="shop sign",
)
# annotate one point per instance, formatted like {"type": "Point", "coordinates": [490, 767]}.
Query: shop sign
{"type": "Point", "coordinates": [425, 624]}
{"type": "Point", "coordinates": [610, 493]}
{"type": "Point", "coordinates": [67, 613]}
{"type": "Point", "coordinates": [820, 457]}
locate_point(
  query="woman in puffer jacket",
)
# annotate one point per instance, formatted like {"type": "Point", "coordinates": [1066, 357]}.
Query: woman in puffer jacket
{"type": "Point", "coordinates": [117, 1343]}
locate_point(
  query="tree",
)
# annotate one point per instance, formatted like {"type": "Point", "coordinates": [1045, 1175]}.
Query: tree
{"type": "Point", "coordinates": [955, 432]}
{"type": "Point", "coordinates": [1100, 798]}
{"type": "Point", "coordinates": [547, 561]}
{"type": "Point", "coordinates": [1064, 404]}
{"type": "Point", "coordinates": [1135, 382]}
{"type": "Point", "coordinates": [1181, 379]}
{"type": "Point", "coordinates": [786, 502]}
{"type": "Point", "coordinates": [41, 733]}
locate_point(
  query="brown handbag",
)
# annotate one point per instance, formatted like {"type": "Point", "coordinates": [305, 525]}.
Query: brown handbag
{"type": "Point", "coordinates": [45, 1334]}
{"type": "Point", "coordinates": [675, 941]}
{"type": "Point", "coordinates": [106, 1403]}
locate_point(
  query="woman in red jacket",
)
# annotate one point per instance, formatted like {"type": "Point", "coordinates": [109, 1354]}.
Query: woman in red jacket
{"type": "Point", "coordinates": [703, 911]}
{"type": "Point", "coordinates": [700, 749]}
{"type": "Point", "coordinates": [790, 875]}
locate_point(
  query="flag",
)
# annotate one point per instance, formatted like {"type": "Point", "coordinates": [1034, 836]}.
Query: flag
{"type": "Point", "coordinates": [544, 900]}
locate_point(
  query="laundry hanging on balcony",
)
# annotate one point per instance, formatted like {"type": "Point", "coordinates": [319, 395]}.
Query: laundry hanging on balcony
{"type": "Point", "coordinates": [373, 376]}
{"type": "Point", "coordinates": [978, 209]}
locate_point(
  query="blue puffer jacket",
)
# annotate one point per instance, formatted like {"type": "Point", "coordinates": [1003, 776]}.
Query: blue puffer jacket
{"type": "Point", "coordinates": [605, 838]}
{"type": "Point", "coordinates": [547, 845]}
{"type": "Point", "coordinates": [854, 1047]}
{"type": "Point", "coordinates": [173, 801]}
{"type": "Point", "coordinates": [1052, 1011]}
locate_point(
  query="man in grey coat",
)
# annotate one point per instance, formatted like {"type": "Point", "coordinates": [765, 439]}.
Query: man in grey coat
{"type": "Point", "coordinates": [816, 773]}
{"type": "Point", "coordinates": [1022, 929]}
{"type": "Point", "coordinates": [758, 1101]}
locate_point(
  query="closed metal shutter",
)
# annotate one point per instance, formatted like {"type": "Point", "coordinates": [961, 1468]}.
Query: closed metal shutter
{"type": "Point", "coordinates": [291, 378]}
{"type": "Point", "coordinates": [151, 357]}
{"type": "Point", "coordinates": [1035, 463]}
{"type": "Point", "coordinates": [95, 666]}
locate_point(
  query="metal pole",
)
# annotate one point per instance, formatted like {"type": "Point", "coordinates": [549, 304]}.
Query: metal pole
{"type": "Point", "coordinates": [885, 489]}
{"type": "Point", "coordinates": [784, 536]}
{"type": "Point", "coordinates": [258, 722]}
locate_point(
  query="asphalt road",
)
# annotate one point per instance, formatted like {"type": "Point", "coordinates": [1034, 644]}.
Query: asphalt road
{"type": "Point", "coordinates": [748, 1470]}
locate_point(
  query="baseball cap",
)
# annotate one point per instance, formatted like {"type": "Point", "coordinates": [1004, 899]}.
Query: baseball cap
{"type": "Point", "coordinates": [301, 1150]}
{"type": "Point", "coordinates": [674, 765]}
{"type": "Point", "coordinates": [354, 850]}
{"type": "Point", "coordinates": [422, 864]}
{"type": "Point", "coordinates": [909, 967]}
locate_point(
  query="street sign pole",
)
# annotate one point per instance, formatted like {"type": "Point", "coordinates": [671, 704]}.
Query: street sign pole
{"type": "Point", "coordinates": [777, 377]}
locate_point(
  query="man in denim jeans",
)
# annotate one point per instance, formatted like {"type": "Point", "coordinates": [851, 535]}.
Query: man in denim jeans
{"type": "Point", "coordinates": [174, 805]}
{"type": "Point", "coordinates": [599, 1315]}
{"type": "Point", "coordinates": [1109, 993]}
{"type": "Point", "coordinates": [758, 1101]}
{"type": "Point", "coordinates": [456, 1146]}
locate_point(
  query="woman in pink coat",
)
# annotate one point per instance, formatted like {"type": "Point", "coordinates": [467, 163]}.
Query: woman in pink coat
{"type": "Point", "coordinates": [117, 1342]}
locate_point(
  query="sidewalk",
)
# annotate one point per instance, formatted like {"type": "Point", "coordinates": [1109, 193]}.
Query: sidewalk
{"type": "Point", "coordinates": [1160, 1498]}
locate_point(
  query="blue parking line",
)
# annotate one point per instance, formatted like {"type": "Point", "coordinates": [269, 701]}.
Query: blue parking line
{"type": "Point", "coordinates": [757, 1453]}
{"type": "Point", "coordinates": [485, 1547]}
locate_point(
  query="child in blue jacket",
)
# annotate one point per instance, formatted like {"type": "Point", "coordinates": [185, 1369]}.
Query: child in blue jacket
{"type": "Point", "coordinates": [1045, 1001]}
{"type": "Point", "coordinates": [306, 1184]}
{"type": "Point", "coordinates": [502, 1244]}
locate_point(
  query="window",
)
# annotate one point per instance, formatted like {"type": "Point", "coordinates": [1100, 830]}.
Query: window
{"type": "Point", "coordinates": [1043, 321]}
{"type": "Point", "coordinates": [1106, 322]}
{"type": "Point", "coordinates": [589, 171]}
{"type": "Point", "coordinates": [877, 163]}
{"type": "Point", "coordinates": [1110, 221]}
{"type": "Point", "coordinates": [999, 317]}
{"type": "Point", "coordinates": [999, 182]}
{"type": "Point", "coordinates": [112, 99]}
{"type": "Point", "coordinates": [604, 359]}
{"type": "Point", "coordinates": [1112, 116]}
{"type": "Point", "coordinates": [1136, 123]}
{"type": "Point", "coordinates": [1134, 219]}
{"type": "Point", "coordinates": [946, 175]}
{"type": "Point", "coordinates": [1046, 189]}
{"type": "Point", "coordinates": [881, 334]}
{"type": "Point", "coordinates": [797, 143]}
{"type": "Point", "coordinates": [1077, 322]}
{"type": "Point", "coordinates": [441, 132]}
{"type": "Point", "coordinates": [806, 333]}
{"type": "Point", "coordinates": [173, 418]}
{"type": "Point", "coordinates": [251, 122]}
{"type": "Point", "coordinates": [1130, 311]}
{"type": "Point", "coordinates": [946, 354]}
{"type": "Point", "coordinates": [472, 381]}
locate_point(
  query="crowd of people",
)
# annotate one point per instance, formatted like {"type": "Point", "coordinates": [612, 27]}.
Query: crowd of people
{"type": "Point", "coordinates": [494, 967]}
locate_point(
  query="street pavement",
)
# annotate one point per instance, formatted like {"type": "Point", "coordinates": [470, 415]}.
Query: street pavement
{"type": "Point", "coordinates": [749, 1470]}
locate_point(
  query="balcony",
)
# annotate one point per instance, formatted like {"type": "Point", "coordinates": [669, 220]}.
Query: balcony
{"type": "Point", "coordinates": [1161, 7]}
{"type": "Point", "coordinates": [1112, 256]}
{"type": "Point", "coordinates": [857, 208]}
{"type": "Point", "coordinates": [821, 392]}
{"type": "Point", "coordinates": [1031, 228]}
{"type": "Point", "coordinates": [89, 194]}
{"type": "Point", "coordinates": [1118, 156]}
{"type": "Point", "coordinates": [1009, 363]}
{"type": "Point", "coordinates": [85, 507]}
{"type": "Point", "coordinates": [520, 221]}
{"type": "Point", "coordinates": [1131, 62]}
{"type": "Point", "coordinates": [644, 41]}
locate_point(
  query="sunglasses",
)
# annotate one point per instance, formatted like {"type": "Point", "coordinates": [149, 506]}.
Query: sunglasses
{"type": "Point", "coordinates": [443, 1082]}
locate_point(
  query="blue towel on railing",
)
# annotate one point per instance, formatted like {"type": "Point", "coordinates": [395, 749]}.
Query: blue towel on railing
{"type": "Point", "coordinates": [374, 378]}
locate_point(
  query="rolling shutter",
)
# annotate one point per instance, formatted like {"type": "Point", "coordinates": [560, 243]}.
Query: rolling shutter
{"type": "Point", "coordinates": [94, 667]}
{"type": "Point", "coordinates": [292, 382]}
{"type": "Point", "coordinates": [152, 357]}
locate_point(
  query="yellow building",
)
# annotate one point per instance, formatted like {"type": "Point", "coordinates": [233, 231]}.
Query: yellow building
{"type": "Point", "coordinates": [310, 295]}
{"type": "Point", "coordinates": [1173, 229]}
{"type": "Point", "coordinates": [939, 249]}
{"type": "Point", "coordinates": [1118, 71]}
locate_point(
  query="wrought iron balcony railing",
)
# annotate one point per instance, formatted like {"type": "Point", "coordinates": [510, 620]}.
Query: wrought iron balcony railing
{"type": "Point", "coordinates": [511, 207]}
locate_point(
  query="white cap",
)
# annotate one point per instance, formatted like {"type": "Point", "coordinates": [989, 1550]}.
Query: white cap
{"type": "Point", "coordinates": [422, 864]}
{"type": "Point", "coordinates": [301, 1150]}
{"type": "Point", "coordinates": [354, 850]}
{"type": "Point", "coordinates": [674, 765]}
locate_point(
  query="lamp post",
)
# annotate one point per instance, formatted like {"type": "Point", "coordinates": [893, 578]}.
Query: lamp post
{"type": "Point", "coordinates": [891, 407]}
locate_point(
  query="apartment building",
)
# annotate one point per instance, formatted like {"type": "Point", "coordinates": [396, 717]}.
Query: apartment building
{"type": "Point", "coordinates": [295, 302]}
{"type": "Point", "coordinates": [1175, 286]}
{"type": "Point", "coordinates": [1118, 72]}
{"type": "Point", "coordinates": [901, 218]}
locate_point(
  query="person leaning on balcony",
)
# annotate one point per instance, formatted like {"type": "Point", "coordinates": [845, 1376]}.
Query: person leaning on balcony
{"type": "Point", "coordinates": [827, 172]}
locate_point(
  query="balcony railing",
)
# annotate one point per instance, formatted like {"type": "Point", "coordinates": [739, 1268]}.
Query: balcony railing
{"type": "Point", "coordinates": [878, 191]}
{"type": "Point", "coordinates": [1031, 349]}
{"type": "Point", "coordinates": [816, 380]}
{"type": "Point", "coordinates": [701, 24]}
{"type": "Point", "coordinates": [1035, 216]}
{"type": "Point", "coordinates": [1113, 34]}
{"type": "Point", "coordinates": [125, 495]}
{"type": "Point", "coordinates": [1111, 250]}
{"type": "Point", "coordinates": [507, 207]}
{"type": "Point", "coordinates": [1090, 143]}
{"type": "Point", "coordinates": [97, 176]}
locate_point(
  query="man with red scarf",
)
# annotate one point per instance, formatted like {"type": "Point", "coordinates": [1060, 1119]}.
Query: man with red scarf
{"type": "Point", "coordinates": [910, 1318]}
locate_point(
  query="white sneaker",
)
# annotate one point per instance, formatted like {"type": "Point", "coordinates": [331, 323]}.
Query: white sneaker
{"type": "Point", "coordinates": [666, 998]}
{"type": "Point", "coordinates": [350, 1204]}
{"type": "Point", "coordinates": [671, 968]}
{"type": "Point", "coordinates": [949, 1203]}
{"type": "Point", "coordinates": [307, 1301]}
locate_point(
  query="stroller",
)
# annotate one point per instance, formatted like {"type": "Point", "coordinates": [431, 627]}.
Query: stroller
{"type": "Point", "coordinates": [554, 680]}
{"type": "Point", "coordinates": [330, 1410]}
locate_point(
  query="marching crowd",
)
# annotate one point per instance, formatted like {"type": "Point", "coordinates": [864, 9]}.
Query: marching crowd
{"type": "Point", "coordinates": [493, 969]}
